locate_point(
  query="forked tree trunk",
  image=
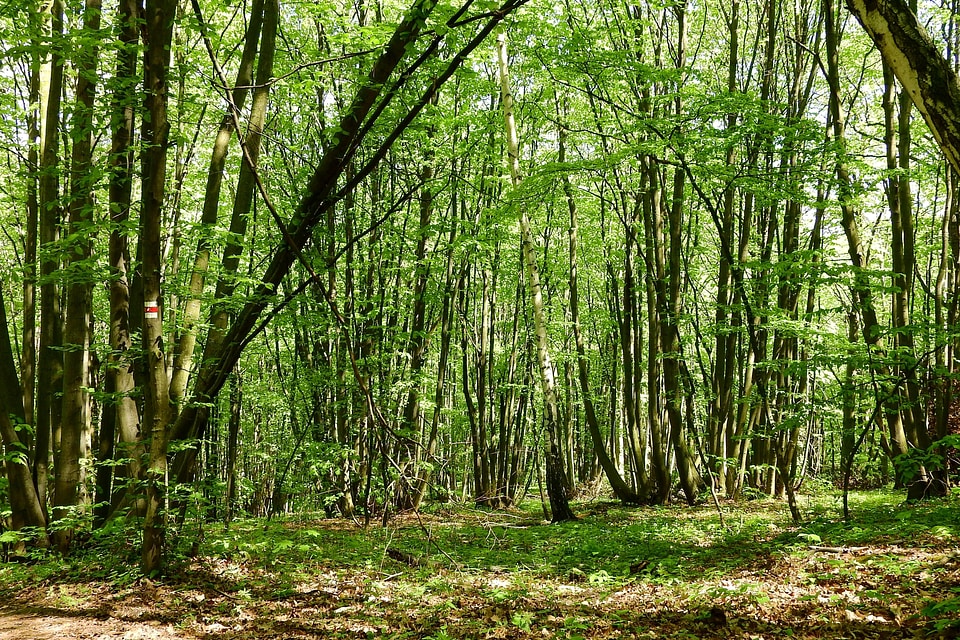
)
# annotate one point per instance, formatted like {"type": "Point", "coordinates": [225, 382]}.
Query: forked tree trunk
{"type": "Point", "coordinates": [621, 489]}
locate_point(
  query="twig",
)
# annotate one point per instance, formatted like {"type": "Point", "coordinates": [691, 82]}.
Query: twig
{"type": "Point", "coordinates": [431, 539]}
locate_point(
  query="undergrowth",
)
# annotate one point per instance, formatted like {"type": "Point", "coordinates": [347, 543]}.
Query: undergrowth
{"type": "Point", "coordinates": [464, 570]}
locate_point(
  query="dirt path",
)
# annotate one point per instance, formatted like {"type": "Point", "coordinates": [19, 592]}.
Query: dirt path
{"type": "Point", "coordinates": [55, 624]}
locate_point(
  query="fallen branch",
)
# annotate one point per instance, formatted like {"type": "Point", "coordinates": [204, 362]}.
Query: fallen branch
{"type": "Point", "coordinates": [405, 558]}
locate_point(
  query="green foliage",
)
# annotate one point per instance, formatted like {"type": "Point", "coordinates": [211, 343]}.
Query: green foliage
{"type": "Point", "coordinates": [944, 614]}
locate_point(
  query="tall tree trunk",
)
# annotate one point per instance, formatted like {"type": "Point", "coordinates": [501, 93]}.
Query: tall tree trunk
{"type": "Point", "coordinates": [621, 489]}
{"type": "Point", "coordinates": [897, 139]}
{"type": "Point", "coordinates": [723, 375]}
{"type": "Point", "coordinates": [76, 359]}
{"type": "Point", "coordinates": [556, 481]}
{"type": "Point", "coordinates": [446, 325]}
{"type": "Point", "coordinates": [242, 208]}
{"type": "Point", "coordinates": [670, 314]}
{"type": "Point", "coordinates": [872, 331]}
{"type": "Point", "coordinates": [417, 343]}
{"type": "Point", "coordinates": [158, 24]}
{"type": "Point", "coordinates": [49, 356]}
{"type": "Point", "coordinates": [28, 359]}
{"type": "Point", "coordinates": [186, 340]}
{"type": "Point", "coordinates": [120, 419]}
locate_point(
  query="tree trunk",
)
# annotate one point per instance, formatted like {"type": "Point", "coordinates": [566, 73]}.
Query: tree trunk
{"type": "Point", "coordinates": [49, 356]}
{"type": "Point", "coordinates": [919, 66]}
{"type": "Point", "coordinates": [411, 421]}
{"type": "Point", "coordinates": [26, 509]}
{"type": "Point", "coordinates": [75, 432]}
{"type": "Point", "coordinates": [158, 23]}
{"type": "Point", "coordinates": [120, 418]}
{"type": "Point", "coordinates": [863, 296]}
{"type": "Point", "coordinates": [620, 488]}
{"type": "Point", "coordinates": [233, 439]}
{"type": "Point", "coordinates": [672, 307]}
{"type": "Point", "coordinates": [185, 343]}
{"type": "Point", "coordinates": [556, 481]}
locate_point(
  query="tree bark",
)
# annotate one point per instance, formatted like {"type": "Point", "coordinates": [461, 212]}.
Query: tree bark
{"type": "Point", "coordinates": [621, 489]}
{"type": "Point", "coordinates": [26, 509]}
{"type": "Point", "coordinates": [186, 340]}
{"type": "Point", "coordinates": [919, 66]}
{"type": "Point", "coordinates": [75, 432]}
{"type": "Point", "coordinates": [49, 356]}
{"type": "Point", "coordinates": [862, 292]}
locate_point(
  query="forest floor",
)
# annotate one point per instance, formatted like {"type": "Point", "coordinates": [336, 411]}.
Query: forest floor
{"type": "Point", "coordinates": [893, 571]}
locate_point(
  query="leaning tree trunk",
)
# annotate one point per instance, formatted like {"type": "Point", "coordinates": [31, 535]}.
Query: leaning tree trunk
{"type": "Point", "coordinates": [919, 66]}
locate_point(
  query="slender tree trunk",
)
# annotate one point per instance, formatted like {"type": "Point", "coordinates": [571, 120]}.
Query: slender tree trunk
{"type": "Point", "coordinates": [187, 338]}
{"type": "Point", "coordinates": [417, 342]}
{"type": "Point", "coordinates": [897, 138]}
{"type": "Point", "coordinates": [620, 488]}
{"type": "Point", "coordinates": [670, 323]}
{"type": "Point", "coordinates": [863, 295]}
{"type": "Point", "coordinates": [28, 359]}
{"type": "Point", "coordinates": [556, 481]}
{"type": "Point", "coordinates": [121, 417]}
{"type": "Point", "coordinates": [723, 376]}
{"type": "Point", "coordinates": [446, 324]}
{"type": "Point", "coordinates": [50, 358]}
{"type": "Point", "coordinates": [233, 439]}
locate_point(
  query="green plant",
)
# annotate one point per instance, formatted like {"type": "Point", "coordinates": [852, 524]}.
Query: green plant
{"type": "Point", "coordinates": [944, 614]}
{"type": "Point", "coordinates": [522, 620]}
